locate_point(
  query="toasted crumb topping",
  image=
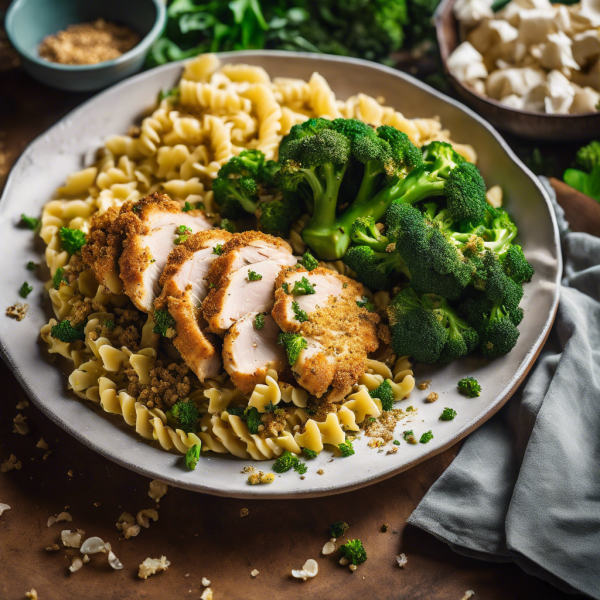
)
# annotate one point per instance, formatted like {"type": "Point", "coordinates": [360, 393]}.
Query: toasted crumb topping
{"type": "Point", "coordinates": [244, 512]}
{"type": "Point", "coordinates": [10, 463]}
{"type": "Point", "coordinates": [423, 385]}
{"type": "Point", "coordinates": [17, 311]}
{"type": "Point", "coordinates": [432, 397]}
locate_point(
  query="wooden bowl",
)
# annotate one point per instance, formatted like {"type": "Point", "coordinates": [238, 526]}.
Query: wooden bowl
{"type": "Point", "coordinates": [522, 123]}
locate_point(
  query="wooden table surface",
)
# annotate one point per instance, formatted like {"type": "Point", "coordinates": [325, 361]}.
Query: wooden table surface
{"type": "Point", "coordinates": [203, 536]}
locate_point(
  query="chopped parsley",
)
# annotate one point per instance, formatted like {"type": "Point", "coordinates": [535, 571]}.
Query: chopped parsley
{"type": "Point", "coordinates": [396, 442]}
{"type": "Point", "coordinates": [288, 461]}
{"type": "Point", "coordinates": [259, 321]}
{"type": "Point", "coordinates": [346, 448]}
{"type": "Point", "coordinates": [192, 456]}
{"type": "Point", "coordinates": [426, 437]}
{"type": "Point", "coordinates": [228, 225]}
{"type": "Point", "coordinates": [365, 303]}
{"type": "Point", "coordinates": [164, 323]}
{"type": "Point", "coordinates": [301, 288]}
{"type": "Point", "coordinates": [409, 437]}
{"type": "Point", "coordinates": [212, 285]}
{"type": "Point", "coordinates": [31, 266]}
{"type": "Point", "coordinates": [299, 314]}
{"type": "Point", "coordinates": [218, 249]}
{"type": "Point", "coordinates": [136, 208]}
{"type": "Point", "coordinates": [182, 230]}
{"type": "Point", "coordinates": [59, 278]}
{"type": "Point", "coordinates": [182, 239]}
{"type": "Point", "coordinates": [25, 290]}
{"type": "Point", "coordinates": [448, 414]}
{"type": "Point", "coordinates": [293, 343]}
{"type": "Point", "coordinates": [187, 206]}
{"type": "Point", "coordinates": [72, 240]}
{"type": "Point", "coordinates": [30, 222]}
{"type": "Point", "coordinates": [254, 276]}
{"type": "Point", "coordinates": [309, 262]}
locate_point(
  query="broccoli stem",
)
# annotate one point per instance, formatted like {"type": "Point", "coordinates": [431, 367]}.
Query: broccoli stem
{"type": "Point", "coordinates": [416, 188]}
{"type": "Point", "coordinates": [367, 187]}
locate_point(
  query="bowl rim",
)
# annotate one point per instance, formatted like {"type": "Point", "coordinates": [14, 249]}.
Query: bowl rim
{"type": "Point", "coordinates": [444, 12]}
{"type": "Point", "coordinates": [140, 48]}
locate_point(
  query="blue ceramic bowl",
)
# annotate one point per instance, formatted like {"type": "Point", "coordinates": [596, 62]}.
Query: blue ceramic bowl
{"type": "Point", "coordinates": [28, 22]}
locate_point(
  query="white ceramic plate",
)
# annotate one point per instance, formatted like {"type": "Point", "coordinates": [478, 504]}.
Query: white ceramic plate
{"type": "Point", "coordinates": [69, 145]}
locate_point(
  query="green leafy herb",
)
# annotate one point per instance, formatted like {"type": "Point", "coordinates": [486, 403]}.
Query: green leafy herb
{"type": "Point", "coordinates": [30, 222]}
{"type": "Point", "coordinates": [136, 208]}
{"type": "Point", "coordinates": [164, 323]}
{"type": "Point", "coordinates": [25, 290]}
{"type": "Point", "coordinates": [309, 262]}
{"type": "Point", "coordinates": [65, 332]}
{"type": "Point", "coordinates": [182, 239]}
{"type": "Point", "coordinates": [187, 206]}
{"type": "Point", "coordinates": [302, 288]}
{"type": "Point", "coordinates": [72, 240]}
{"type": "Point", "coordinates": [346, 448]}
{"type": "Point", "coordinates": [299, 314]}
{"type": "Point", "coordinates": [385, 394]}
{"type": "Point", "coordinates": [259, 321]}
{"type": "Point", "coordinates": [192, 456]}
{"type": "Point", "coordinates": [300, 467]}
{"type": "Point", "coordinates": [365, 303]}
{"type": "Point", "coordinates": [426, 437]}
{"type": "Point", "coordinates": [228, 225]}
{"type": "Point", "coordinates": [218, 249]}
{"type": "Point", "coordinates": [254, 276]}
{"type": "Point", "coordinates": [31, 266]}
{"type": "Point", "coordinates": [249, 414]}
{"type": "Point", "coordinates": [447, 414]}
{"type": "Point", "coordinates": [293, 343]}
{"type": "Point", "coordinates": [182, 230]}
{"type": "Point", "coordinates": [59, 278]}
{"type": "Point", "coordinates": [396, 442]}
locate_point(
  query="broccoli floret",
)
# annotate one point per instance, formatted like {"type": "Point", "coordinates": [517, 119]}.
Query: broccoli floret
{"type": "Point", "coordinates": [346, 448]}
{"type": "Point", "coordinates": [377, 270]}
{"type": "Point", "coordinates": [396, 442]}
{"type": "Point", "coordinates": [365, 232]}
{"type": "Point", "coordinates": [470, 387]}
{"type": "Point", "coordinates": [435, 264]}
{"type": "Point", "coordinates": [65, 332]}
{"type": "Point", "coordinates": [30, 222]}
{"type": "Point", "coordinates": [516, 266]}
{"type": "Point", "coordinates": [249, 414]}
{"type": "Point", "coordinates": [239, 181]}
{"type": "Point", "coordinates": [319, 158]}
{"type": "Point", "coordinates": [288, 461]}
{"type": "Point", "coordinates": [409, 436]}
{"type": "Point", "coordinates": [338, 529]}
{"type": "Point", "coordinates": [301, 288]}
{"type": "Point", "coordinates": [447, 414]}
{"type": "Point", "coordinates": [228, 225]}
{"type": "Point", "coordinates": [25, 290]}
{"type": "Point", "coordinates": [385, 394]}
{"type": "Point", "coordinates": [354, 551]}
{"type": "Point", "coordinates": [164, 323]}
{"type": "Point", "coordinates": [185, 412]}
{"type": "Point", "coordinates": [254, 276]}
{"type": "Point", "coordinates": [293, 343]}
{"type": "Point", "coordinates": [72, 240]}
{"type": "Point", "coordinates": [426, 437]}
{"type": "Point", "coordinates": [309, 262]}
{"type": "Point", "coordinates": [259, 321]}
{"type": "Point", "coordinates": [588, 157]}
{"type": "Point", "coordinates": [192, 456]}
{"type": "Point", "coordinates": [31, 266]}
{"type": "Point", "coordinates": [277, 216]}
{"type": "Point", "coordinates": [499, 334]}
{"type": "Point", "coordinates": [309, 453]}
{"type": "Point", "coordinates": [462, 338]}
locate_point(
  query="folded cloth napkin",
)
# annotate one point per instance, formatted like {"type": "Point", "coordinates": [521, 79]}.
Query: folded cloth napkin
{"type": "Point", "coordinates": [525, 487]}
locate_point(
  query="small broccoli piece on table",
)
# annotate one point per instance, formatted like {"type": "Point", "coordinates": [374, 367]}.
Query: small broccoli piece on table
{"type": "Point", "coordinates": [470, 387]}
{"type": "Point", "coordinates": [447, 414]}
{"type": "Point", "coordinates": [426, 437]}
{"type": "Point", "coordinates": [309, 262]}
{"type": "Point", "coordinates": [65, 332]}
{"type": "Point", "coordinates": [192, 456]}
{"type": "Point", "coordinates": [385, 394]}
{"type": "Point", "coordinates": [288, 461]}
{"type": "Point", "coordinates": [30, 222]}
{"type": "Point", "coordinates": [293, 343]}
{"type": "Point", "coordinates": [309, 453]}
{"type": "Point", "coordinates": [185, 412]}
{"type": "Point", "coordinates": [239, 182]}
{"type": "Point", "coordinates": [31, 266]}
{"type": "Point", "coordinates": [516, 266]}
{"type": "Point", "coordinates": [164, 323]}
{"type": "Point", "coordinates": [338, 529]}
{"type": "Point", "coordinates": [409, 436]}
{"type": "Point", "coordinates": [588, 157]}
{"type": "Point", "coordinates": [25, 290]}
{"type": "Point", "coordinates": [72, 240]}
{"type": "Point", "coordinates": [346, 448]}
{"type": "Point", "coordinates": [376, 270]}
{"type": "Point", "coordinates": [354, 551]}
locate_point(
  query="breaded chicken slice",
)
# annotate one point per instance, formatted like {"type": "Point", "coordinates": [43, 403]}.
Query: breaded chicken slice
{"type": "Point", "coordinates": [242, 279]}
{"type": "Point", "coordinates": [322, 306]}
{"type": "Point", "coordinates": [154, 226]}
{"type": "Point", "coordinates": [184, 287]}
{"type": "Point", "coordinates": [250, 349]}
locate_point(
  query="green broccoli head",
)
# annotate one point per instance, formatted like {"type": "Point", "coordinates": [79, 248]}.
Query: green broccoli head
{"type": "Point", "coordinates": [404, 155]}
{"type": "Point", "coordinates": [293, 343]}
{"type": "Point", "coordinates": [309, 262]}
{"type": "Point", "coordinates": [338, 529]}
{"type": "Point", "coordinates": [277, 216]}
{"type": "Point", "coordinates": [308, 128]}
{"type": "Point", "coordinates": [385, 394]}
{"type": "Point", "coordinates": [470, 387]}
{"type": "Point", "coordinates": [465, 193]}
{"type": "Point", "coordinates": [365, 232]}
{"type": "Point", "coordinates": [588, 157]}
{"type": "Point", "coordinates": [516, 266]}
{"type": "Point", "coordinates": [289, 461]}
{"type": "Point", "coordinates": [65, 332]}
{"type": "Point", "coordinates": [346, 448]}
{"type": "Point", "coordinates": [354, 551]}
{"type": "Point", "coordinates": [185, 412]}
{"type": "Point", "coordinates": [239, 182]}
{"type": "Point", "coordinates": [462, 337]}
{"type": "Point", "coordinates": [377, 270]}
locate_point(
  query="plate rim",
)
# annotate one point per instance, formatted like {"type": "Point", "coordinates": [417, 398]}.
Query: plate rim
{"type": "Point", "coordinates": [491, 409]}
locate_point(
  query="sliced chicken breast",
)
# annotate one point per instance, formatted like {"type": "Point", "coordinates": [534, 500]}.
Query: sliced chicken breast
{"type": "Point", "coordinates": [153, 225]}
{"type": "Point", "coordinates": [243, 278]}
{"type": "Point", "coordinates": [338, 332]}
{"type": "Point", "coordinates": [188, 265]}
{"type": "Point", "coordinates": [249, 352]}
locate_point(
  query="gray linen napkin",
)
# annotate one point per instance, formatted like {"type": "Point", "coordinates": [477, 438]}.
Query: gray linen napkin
{"type": "Point", "coordinates": [525, 486]}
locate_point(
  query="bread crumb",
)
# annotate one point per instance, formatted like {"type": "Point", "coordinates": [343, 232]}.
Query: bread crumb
{"type": "Point", "coordinates": [248, 470]}
{"type": "Point", "coordinates": [11, 463]}
{"type": "Point", "coordinates": [19, 425]}
{"type": "Point", "coordinates": [53, 548]}
{"type": "Point", "coordinates": [22, 404]}
{"type": "Point", "coordinates": [143, 517]}
{"type": "Point", "coordinates": [17, 311]}
{"type": "Point", "coordinates": [42, 444]}
{"type": "Point", "coordinates": [244, 512]}
{"type": "Point", "coordinates": [151, 566]}
{"type": "Point", "coordinates": [423, 385]}
{"type": "Point", "coordinates": [70, 472]}
{"type": "Point", "coordinates": [393, 450]}
{"type": "Point", "coordinates": [254, 573]}
{"type": "Point", "coordinates": [207, 594]}
{"type": "Point", "coordinates": [320, 472]}
{"type": "Point", "coordinates": [402, 560]}
{"type": "Point", "coordinates": [310, 569]}
{"type": "Point", "coordinates": [468, 594]}
{"type": "Point", "coordinates": [3, 507]}
{"type": "Point", "coordinates": [157, 489]}
{"type": "Point", "coordinates": [432, 397]}
{"type": "Point", "coordinates": [205, 582]}
{"type": "Point", "coordinates": [353, 568]}
{"type": "Point", "coordinates": [31, 594]}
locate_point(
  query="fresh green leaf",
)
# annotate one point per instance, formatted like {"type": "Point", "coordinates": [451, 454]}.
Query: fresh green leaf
{"type": "Point", "coordinates": [259, 321]}
{"type": "Point", "coordinates": [254, 276]}
{"type": "Point", "coordinates": [299, 314]}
